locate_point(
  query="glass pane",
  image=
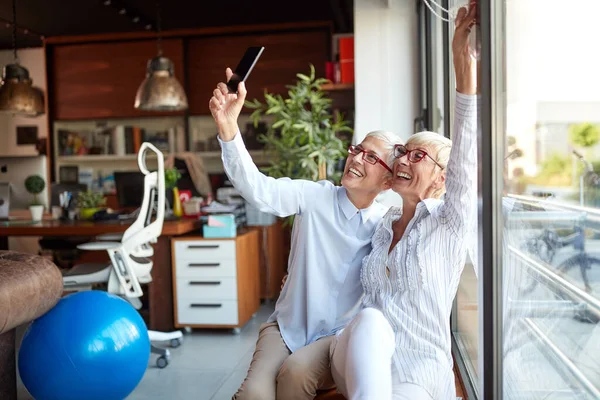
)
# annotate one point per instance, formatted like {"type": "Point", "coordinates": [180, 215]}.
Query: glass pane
{"type": "Point", "coordinates": [551, 246]}
{"type": "Point", "coordinates": [437, 75]}
{"type": "Point", "coordinates": [465, 316]}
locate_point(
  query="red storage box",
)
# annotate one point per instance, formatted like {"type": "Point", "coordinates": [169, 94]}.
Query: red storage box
{"type": "Point", "coordinates": [347, 59]}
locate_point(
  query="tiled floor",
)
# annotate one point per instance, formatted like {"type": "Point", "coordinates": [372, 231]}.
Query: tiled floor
{"type": "Point", "coordinates": [209, 365]}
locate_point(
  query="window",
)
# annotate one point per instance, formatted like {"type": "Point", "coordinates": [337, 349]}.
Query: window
{"type": "Point", "coordinates": [526, 326]}
{"type": "Point", "coordinates": [544, 94]}
{"type": "Point", "coordinates": [434, 71]}
{"type": "Point", "coordinates": [437, 102]}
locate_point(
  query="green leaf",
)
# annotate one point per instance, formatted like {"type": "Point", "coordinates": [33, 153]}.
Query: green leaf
{"type": "Point", "coordinates": [273, 110]}
{"type": "Point", "coordinates": [584, 135]}
{"type": "Point", "coordinates": [255, 117]}
{"type": "Point", "coordinates": [252, 104]}
{"type": "Point", "coordinates": [279, 123]}
{"type": "Point", "coordinates": [270, 98]}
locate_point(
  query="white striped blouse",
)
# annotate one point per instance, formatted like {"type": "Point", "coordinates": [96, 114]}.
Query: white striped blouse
{"type": "Point", "coordinates": [426, 264]}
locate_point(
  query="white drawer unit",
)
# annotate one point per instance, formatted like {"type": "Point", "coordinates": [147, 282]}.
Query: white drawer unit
{"type": "Point", "coordinates": [207, 288]}
{"type": "Point", "coordinates": [216, 281]}
{"type": "Point", "coordinates": [200, 249]}
{"type": "Point", "coordinates": [203, 267]}
{"type": "Point", "coordinates": [192, 312]}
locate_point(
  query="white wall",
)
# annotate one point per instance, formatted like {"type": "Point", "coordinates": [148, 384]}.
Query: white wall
{"type": "Point", "coordinates": [17, 170]}
{"type": "Point", "coordinates": [23, 161]}
{"type": "Point", "coordinates": [386, 66]}
{"type": "Point", "coordinates": [386, 52]}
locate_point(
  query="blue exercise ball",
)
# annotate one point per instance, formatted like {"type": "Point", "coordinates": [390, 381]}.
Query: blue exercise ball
{"type": "Point", "coordinates": [91, 345]}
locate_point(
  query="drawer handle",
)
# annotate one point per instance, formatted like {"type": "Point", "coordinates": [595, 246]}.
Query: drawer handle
{"type": "Point", "coordinates": [199, 305]}
{"type": "Point", "coordinates": [204, 265]}
{"type": "Point", "coordinates": [203, 246]}
{"type": "Point", "coordinates": [205, 283]}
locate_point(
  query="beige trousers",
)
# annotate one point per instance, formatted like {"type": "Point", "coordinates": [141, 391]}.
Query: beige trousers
{"type": "Point", "coordinates": [275, 374]}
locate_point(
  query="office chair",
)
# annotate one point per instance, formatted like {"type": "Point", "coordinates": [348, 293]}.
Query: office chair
{"type": "Point", "coordinates": [130, 258]}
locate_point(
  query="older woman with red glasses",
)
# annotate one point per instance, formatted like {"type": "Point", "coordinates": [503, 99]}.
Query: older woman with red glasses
{"type": "Point", "coordinates": [399, 344]}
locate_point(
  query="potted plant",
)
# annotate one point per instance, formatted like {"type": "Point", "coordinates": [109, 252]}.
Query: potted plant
{"type": "Point", "coordinates": [35, 185]}
{"type": "Point", "coordinates": [303, 140]}
{"type": "Point", "coordinates": [172, 175]}
{"type": "Point", "coordinates": [89, 203]}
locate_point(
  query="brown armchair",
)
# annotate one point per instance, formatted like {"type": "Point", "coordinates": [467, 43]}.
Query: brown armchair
{"type": "Point", "coordinates": [30, 285]}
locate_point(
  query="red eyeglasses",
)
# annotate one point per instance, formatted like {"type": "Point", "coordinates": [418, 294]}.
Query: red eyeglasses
{"type": "Point", "coordinates": [368, 156]}
{"type": "Point", "coordinates": [414, 156]}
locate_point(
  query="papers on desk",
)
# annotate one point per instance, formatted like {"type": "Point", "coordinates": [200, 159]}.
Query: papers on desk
{"type": "Point", "coordinates": [218, 208]}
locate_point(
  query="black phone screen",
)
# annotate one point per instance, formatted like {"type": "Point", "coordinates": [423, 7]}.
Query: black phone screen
{"type": "Point", "coordinates": [243, 69]}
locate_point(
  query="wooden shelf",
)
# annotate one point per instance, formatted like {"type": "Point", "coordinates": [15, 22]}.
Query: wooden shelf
{"type": "Point", "coordinates": [133, 157]}
{"type": "Point", "coordinates": [338, 86]}
{"type": "Point", "coordinates": [101, 158]}
{"type": "Point", "coordinates": [97, 157]}
{"type": "Point", "coordinates": [217, 154]}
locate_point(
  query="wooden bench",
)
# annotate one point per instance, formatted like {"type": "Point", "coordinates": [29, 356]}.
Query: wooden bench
{"type": "Point", "coordinates": [329, 395]}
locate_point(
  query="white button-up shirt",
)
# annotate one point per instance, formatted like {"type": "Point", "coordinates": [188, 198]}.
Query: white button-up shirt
{"type": "Point", "coordinates": [426, 265]}
{"type": "Point", "coordinates": [330, 237]}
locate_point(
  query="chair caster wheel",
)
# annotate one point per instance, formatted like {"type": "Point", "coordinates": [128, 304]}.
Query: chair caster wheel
{"type": "Point", "coordinates": [162, 362]}
{"type": "Point", "coordinates": [175, 343]}
{"type": "Point", "coordinates": [236, 331]}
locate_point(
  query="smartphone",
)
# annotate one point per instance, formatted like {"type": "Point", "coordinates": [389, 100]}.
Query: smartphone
{"type": "Point", "coordinates": [243, 69]}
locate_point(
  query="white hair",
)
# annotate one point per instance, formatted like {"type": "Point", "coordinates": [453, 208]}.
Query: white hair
{"type": "Point", "coordinates": [390, 139]}
{"type": "Point", "coordinates": [437, 145]}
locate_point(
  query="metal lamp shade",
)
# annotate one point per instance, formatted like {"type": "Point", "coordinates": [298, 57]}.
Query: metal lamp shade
{"type": "Point", "coordinates": [17, 95]}
{"type": "Point", "coordinates": [160, 91]}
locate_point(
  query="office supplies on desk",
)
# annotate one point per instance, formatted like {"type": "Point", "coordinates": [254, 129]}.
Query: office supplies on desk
{"type": "Point", "coordinates": [220, 226]}
{"type": "Point", "coordinates": [229, 195]}
{"type": "Point", "coordinates": [63, 195]}
{"type": "Point", "coordinates": [237, 210]}
{"type": "Point", "coordinates": [65, 199]}
{"type": "Point", "coordinates": [216, 207]}
{"type": "Point", "coordinates": [193, 207]}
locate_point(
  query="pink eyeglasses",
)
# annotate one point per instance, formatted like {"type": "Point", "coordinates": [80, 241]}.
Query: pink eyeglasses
{"type": "Point", "coordinates": [368, 156]}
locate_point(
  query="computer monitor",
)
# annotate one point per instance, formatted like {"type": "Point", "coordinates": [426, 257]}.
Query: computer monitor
{"type": "Point", "coordinates": [130, 188]}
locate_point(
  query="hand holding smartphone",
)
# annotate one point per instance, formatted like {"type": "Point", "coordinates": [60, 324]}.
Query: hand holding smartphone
{"type": "Point", "coordinates": [245, 66]}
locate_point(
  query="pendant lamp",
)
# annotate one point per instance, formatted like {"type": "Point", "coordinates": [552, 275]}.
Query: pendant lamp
{"type": "Point", "coordinates": [160, 90]}
{"type": "Point", "coordinates": [17, 95]}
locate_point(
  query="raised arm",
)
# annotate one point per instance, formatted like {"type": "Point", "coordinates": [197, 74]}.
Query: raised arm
{"type": "Point", "coordinates": [282, 196]}
{"type": "Point", "coordinates": [460, 202]}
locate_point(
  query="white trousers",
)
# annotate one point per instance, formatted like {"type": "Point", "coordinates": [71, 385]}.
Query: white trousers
{"type": "Point", "coordinates": [361, 361]}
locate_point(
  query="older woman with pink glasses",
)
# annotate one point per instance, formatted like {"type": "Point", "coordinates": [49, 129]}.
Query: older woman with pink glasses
{"type": "Point", "coordinates": [399, 345]}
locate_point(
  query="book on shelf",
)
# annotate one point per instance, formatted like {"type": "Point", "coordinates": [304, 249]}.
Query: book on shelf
{"type": "Point", "coordinates": [118, 140]}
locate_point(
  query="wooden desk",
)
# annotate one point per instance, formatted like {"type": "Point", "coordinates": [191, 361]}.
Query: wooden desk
{"type": "Point", "coordinates": [274, 253]}
{"type": "Point", "coordinates": [160, 290]}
